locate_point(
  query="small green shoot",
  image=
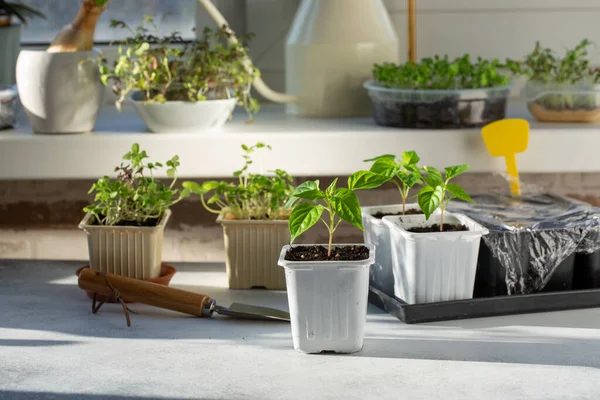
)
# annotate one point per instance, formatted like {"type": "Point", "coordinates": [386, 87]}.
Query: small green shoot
{"type": "Point", "coordinates": [439, 191]}
{"type": "Point", "coordinates": [254, 196]}
{"type": "Point", "coordinates": [404, 173]}
{"type": "Point", "coordinates": [341, 204]}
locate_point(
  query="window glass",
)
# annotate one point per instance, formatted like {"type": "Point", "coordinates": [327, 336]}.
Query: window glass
{"type": "Point", "coordinates": [60, 12]}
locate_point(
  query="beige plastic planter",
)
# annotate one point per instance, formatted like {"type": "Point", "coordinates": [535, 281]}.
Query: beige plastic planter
{"type": "Point", "coordinates": [134, 252]}
{"type": "Point", "coordinates": [252, 250]}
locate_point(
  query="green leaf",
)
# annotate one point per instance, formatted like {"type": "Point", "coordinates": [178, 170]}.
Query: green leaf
{"type": "Point", "coordinates": [309, 190]}
{"type": "Point", "coordinates": [429, 199]}
{"type": "Point", "coordinates": [303, 217]}
{"type": "Point", "coordinates": [363, 180]}
{"type": "Point", "coordinates": [331, 188]}
{"type": "Point", "coordinates": [384, 166]}
{"type": "Point", "coordinates": [346, 205]}
{"type": "Point", "coordinates": [459, 192]}
{"type": "Point", "coordinates": [434, 177]}
{"type": "Point", "coordinates": [455, 170]}
{"type": "Point", "coordinates": [383, 157]}
{"type": "Point", "coordinates": [410, 158]}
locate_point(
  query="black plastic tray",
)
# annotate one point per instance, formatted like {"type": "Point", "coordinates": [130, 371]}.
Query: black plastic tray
{"type": "Point", "coordinates": [485, 307]}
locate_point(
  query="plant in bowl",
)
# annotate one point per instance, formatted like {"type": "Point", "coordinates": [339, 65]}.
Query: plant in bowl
{"type": "Point", "coordinates": [253, 213]}
{"type": "Point", "coordinates": [560, 89]}
{"type": "Point", "coordinates": [178, 86]}
{"type": "Point", "coordinates": [439, 93]}
{"type": "Point", "coordinates": [404, 173]}
{"type": "Point", "coordinates": [12, 16]}
{"type": "Point", "coordinates": [327, 284]}
{"type": "Point", "coordinates": [126, 222]}
{"type": "Point", "coordinates": [435, 258]}
{"type": "Point", "coordinates": [60, 70]}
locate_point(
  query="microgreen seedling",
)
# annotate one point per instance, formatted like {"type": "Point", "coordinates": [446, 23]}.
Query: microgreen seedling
{"type": "Point", "coordinates": [404, 173]}
{"type": "Point", "coordinates": [135, 196]}
{"type": "Point", "coordinates": [544, 65]}
{"type": "Point", "coordinates": [440, 73]}
{"type": "Point", "coordinates": [254, 196]}
{"type": "Point", "coordinates": [341, 204]}
{"type": "Point", "coordinates": [170, 69]}
{"type": "Point", "coordinates": [438, 191]}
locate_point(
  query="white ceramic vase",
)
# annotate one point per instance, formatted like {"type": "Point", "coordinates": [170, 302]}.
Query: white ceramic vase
{"type": "Point", "coordinates": [330, 51]}
{"type": "Point", "coordinates": [328, 303]}
{"type": "Point", "coordinates": [436, 266]}
{"type": "Point", "coordinates": [10, 45]}
{"type": "Point", "coordinates": [60, 92]}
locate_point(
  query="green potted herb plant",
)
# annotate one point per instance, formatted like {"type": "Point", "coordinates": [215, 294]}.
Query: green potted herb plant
{"type": "Point", "coordinates": [12, 16]}
{"type": "Point", "coordinates": [435, 258]}
{"type": "Point", "coordinates": [439, 93]}
{"type": "Point", "coordinates": [327, 285]}
{"type": "Point", "coordinates": [560, 89]}
{"type": "Point", "coordinates": [126, 222]}
{"type": "Point", "coordinates": [254, 218]}
{"type": "Point", "coordinates": [178, 86]}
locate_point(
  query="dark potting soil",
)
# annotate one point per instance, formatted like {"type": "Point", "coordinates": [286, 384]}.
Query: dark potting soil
{"type": "Point", "coordinates": [436, 228]}
{"type": "Point", "coordinates": [448, 113]}
{"type": "Point", "coordinates": [319, 253]}
{"type": "Point", "coordinates": [148, 223]}
{"type": "Point", "coordinates": [412, 211]}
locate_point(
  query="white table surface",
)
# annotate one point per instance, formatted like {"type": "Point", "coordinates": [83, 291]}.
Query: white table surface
{"type": "Point", "coordinates": [52, 346]}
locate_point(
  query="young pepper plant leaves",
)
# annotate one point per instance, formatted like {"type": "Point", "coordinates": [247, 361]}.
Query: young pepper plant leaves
{"type": "Point", "coordinates": [458, 192]}
{"type": "Point", "coordinates": [303, 217]}
{"type": "Point", "coordinates": [364, 180]}
{"type": "Point", "coordinates": [429, 199]}
{"type": "Point", "coordinates": [345, 204]}
{"type": "Point", "coordinates": [340, 204]}
{"type": "Point", "coordinates": [454, 171]}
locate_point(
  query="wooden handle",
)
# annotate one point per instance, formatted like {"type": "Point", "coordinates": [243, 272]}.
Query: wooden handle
{"type": "Point", "coordinates": [513, 173]}
{"type": "Point", "coordinates": [144, 292]}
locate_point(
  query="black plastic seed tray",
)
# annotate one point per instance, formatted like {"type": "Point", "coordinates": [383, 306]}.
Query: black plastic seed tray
{"type": "Point", "coordinates": [484, 307]}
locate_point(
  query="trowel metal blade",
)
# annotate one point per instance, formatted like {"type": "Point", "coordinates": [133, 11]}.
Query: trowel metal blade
{"type": "Point", "coordinates": [247, 311]}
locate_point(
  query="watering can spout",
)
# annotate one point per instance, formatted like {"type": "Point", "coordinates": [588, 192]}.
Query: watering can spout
{"type": "Point", "coordinates": [260, 86]}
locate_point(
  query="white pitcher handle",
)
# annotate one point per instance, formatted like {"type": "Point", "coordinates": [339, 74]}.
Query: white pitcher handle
{"type": "Point", "coordinates": [260, 86]}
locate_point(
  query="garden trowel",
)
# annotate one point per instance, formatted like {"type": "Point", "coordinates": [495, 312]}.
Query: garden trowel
{"type": "Point", "coordinates": [505, 138]}
{"type": "Point", "coordinates": [200, 305]}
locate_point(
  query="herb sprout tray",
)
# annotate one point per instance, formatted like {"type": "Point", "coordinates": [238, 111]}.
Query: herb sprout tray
{"type": "Point", "coordinates": [485, 306]}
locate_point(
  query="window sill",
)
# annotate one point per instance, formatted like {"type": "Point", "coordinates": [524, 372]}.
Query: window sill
{"type": "Point", "coordinates": [303, 147]}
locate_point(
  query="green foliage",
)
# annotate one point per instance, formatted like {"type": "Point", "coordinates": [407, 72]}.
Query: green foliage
{"type": "Point", "coordinates": [254, 196]}
{"type": "Point", "coordinates": [551, 77]}
{"type": "Point", "coordinates": [19, 10]}
{"type": "Point", "coordinates": [404, 173]}
{"type": "Point", "coordinates": [440, 73]}
{"type": "Point", "coordinates": [167, 69]}
{"type": "Point", "coordinates": [135, 196]}
{"type": "Point", "coordinates": [341, 204]}
{"type": "Point", "coordinates": [439, 191]}
{"type": "Point", "coordinates": [545, 65]}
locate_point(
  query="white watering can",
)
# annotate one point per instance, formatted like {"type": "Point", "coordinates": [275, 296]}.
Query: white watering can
{"type": "Point", "coordinates": [330, 51]}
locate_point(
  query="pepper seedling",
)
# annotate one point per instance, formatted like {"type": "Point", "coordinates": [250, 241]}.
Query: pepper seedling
{"type": "Point", "coordinates": [341, 204]}
{"type": "Point", "coordinates": [254, 196]}
{"type": "Point", "coordinates": [438, 191]}
{"type": "Point", "coordinates": [403, 173]}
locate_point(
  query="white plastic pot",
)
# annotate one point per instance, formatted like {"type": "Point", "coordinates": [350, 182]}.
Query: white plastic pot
{"type": "Point", "coordinates": [328, 303]}
{"type": "Point", "coordinates": [184, 116]}
{"type": "Point", "coordinates": [377, 234]}
{"type": "Point", "coordinates": [431, 267]}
